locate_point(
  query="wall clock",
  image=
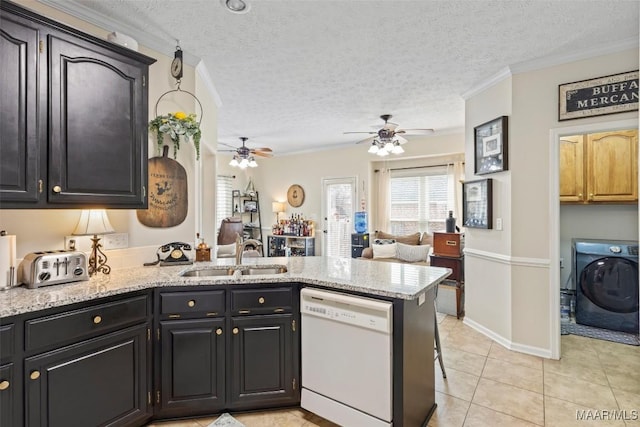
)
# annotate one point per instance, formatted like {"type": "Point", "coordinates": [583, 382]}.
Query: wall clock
{"type": "Point", "coordinates": [295, 195]}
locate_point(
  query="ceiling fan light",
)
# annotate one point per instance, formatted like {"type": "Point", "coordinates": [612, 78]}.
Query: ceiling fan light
{"type": "Point", "coordinates": [252, 163]}
{"type": "Point", "coordinates": [388, 146]}
{"type": "Point", "coordinates": [397, 148]}
{"type": "Point", "coordinates": [244, 163]}
{"type": "Point", "coordinates": [382, 153]}
{"type": "Point", "coordinates": [374, 148]}
{"type": "Point", "coordinates": [234, 161]}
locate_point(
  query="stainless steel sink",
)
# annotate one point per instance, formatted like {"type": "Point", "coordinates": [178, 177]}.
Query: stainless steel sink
{"type": "Point", "coordinates": [263, 270]}
{"type": "Point", "coordinates": [208, 272]}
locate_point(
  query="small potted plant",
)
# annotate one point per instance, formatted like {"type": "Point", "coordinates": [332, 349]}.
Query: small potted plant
{"type": "Point", "coordinates": [177, 125]}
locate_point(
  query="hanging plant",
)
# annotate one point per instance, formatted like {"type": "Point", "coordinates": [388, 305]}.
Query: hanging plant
{"type": "Point", "coordinates": [176, 125]}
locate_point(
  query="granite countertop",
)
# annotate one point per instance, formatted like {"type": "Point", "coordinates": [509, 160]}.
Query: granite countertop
{"type": "Point", "coordinates": [395, 280]}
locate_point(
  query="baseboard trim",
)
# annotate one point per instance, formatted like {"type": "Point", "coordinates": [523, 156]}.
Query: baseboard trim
{"type": "Point", "coordinates": [508, 344]}
{"type": "Point", "coordinates": [507, 259]}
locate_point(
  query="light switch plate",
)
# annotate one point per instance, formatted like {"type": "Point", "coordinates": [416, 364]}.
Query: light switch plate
{"type": "Point", "coordinates": [498, 223]}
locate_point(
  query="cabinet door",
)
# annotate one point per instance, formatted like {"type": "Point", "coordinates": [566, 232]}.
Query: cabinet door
{"type": "Point", "coordinates": [192, 365]}
{"type": "Point", "coordinates": [95, 382]}
{"type": "Point", "coordinates": [8, 397]}
{"type": "Point", "coordinates": [98, 125]}
{"type": "Point", "coordinates": [19, 109]}
{"type": "Point", "coordinates": [572, 163]}
{"type": "Point", "coordinates": [612, 162]}
{"type": "Point", "coordinates": [263, 362]}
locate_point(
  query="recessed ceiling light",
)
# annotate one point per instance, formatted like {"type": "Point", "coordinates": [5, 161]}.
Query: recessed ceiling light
{"type": "Point", "coordinates": [236, 6]}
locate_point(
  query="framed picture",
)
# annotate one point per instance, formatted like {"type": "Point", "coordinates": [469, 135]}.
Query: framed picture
{"type": "Point", "coordinates": [235, 193]}
{"type": "Point", "coordinates": [617, 93]}
{"type": "Point", "coordinates": [477, 205]}
{"type": "Point", "coordinates": [250, 206]}
{"type": "Point", "coordinates": [490, 148]}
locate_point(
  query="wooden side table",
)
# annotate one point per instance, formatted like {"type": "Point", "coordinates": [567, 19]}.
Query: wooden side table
{"type": "Point", "coordinates": [456, 264]}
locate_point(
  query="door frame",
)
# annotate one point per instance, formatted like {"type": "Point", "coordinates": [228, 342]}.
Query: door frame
{"type": "Point", "coordinates": [554, 213]}
{"type": "Point", "coordinates": [353, 180]}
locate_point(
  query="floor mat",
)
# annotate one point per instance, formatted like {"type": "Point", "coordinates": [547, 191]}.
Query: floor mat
{"type": "Point", "coordinates": [226, 420]}
{"type": "Point", "coordinates": [601, 334]}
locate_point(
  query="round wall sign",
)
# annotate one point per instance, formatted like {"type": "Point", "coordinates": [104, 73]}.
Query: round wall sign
{"type": "Point", "coordinates": [295, 196]}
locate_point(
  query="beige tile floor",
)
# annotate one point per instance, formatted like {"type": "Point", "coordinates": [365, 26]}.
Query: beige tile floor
{"type": "Point", "coordinates": [488, 385]}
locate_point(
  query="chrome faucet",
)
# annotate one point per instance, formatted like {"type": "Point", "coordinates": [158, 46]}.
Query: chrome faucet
{"type": "Point", "coordinates": [240, 245]}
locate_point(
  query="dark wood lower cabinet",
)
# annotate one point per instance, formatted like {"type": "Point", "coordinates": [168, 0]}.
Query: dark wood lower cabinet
{"type": "Point", "coordinates": [263, 362]}
{"type": "Point", "coordinates": [192, 367]}
{"type": "Point", "coordinates": [101, 381]}
{"type": "Point", "coordinates": [8, 396]}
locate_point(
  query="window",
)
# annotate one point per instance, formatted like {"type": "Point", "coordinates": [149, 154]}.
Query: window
{"type": "Point", "coordinates": [339, 202]}
{"type": "Point", "coordinates": [223, 198]}
{"type": "Point", "coordinates": [420, 200]}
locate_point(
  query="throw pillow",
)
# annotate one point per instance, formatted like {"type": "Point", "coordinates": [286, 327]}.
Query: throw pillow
{"type": "Point", "coordinates": [409, 239]}
{"type": "Point", "coordinates": [383, 241]}
{"type": "Point", "coordinates": [387, 250]}
{"type": "Point", "coordinates": [413, 253]}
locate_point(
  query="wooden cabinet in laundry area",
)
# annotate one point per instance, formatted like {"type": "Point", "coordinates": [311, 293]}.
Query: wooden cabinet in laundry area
{"type": "Point", "coordinates": [599, 167]}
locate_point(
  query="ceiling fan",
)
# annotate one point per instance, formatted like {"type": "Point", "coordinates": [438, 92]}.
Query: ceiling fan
{"type": "Point", "coordinates": [244, 156]}
{"type": "Point", "coordinates": [389, 138]}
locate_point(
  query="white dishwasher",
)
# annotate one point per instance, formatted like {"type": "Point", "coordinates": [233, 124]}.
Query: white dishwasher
{"type": "Point", "coordinates": [346, 358]}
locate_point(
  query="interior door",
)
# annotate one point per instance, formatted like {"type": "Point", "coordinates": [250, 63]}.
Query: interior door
{"type": "Point", "coordinates": [339, 204]}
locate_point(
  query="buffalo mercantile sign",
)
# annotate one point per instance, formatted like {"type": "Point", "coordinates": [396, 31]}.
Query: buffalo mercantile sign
{"type": "Point", "coordinates": [596, 97]}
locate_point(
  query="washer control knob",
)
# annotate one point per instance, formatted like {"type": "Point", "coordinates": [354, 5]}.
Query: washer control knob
{"type": "Point", "coordinates": [615, 249]}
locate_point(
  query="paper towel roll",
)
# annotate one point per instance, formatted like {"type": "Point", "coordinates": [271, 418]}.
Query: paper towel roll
{"type": "Point", "coordinates": [7, 261]}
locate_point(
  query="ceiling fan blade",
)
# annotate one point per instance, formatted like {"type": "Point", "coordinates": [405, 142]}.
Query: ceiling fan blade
{"type": "Point", "coordinates": [267, 149]}
{"type": "Point", "coordinates": [261, 154]}
{"type": "Point", "coordinates": [367, 140]}
{"type": "Point", "coordinates": [229, 150]}
{"type": "Point", "coordinates": [370, 133]}
{"type": "Point", "coordinates": [415, 131]}
{"type": "Point", "coordinates": [227, 145]}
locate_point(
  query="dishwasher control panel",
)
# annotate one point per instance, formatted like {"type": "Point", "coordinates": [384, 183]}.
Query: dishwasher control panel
{"type": "Point", "coordinates": [364, 312]}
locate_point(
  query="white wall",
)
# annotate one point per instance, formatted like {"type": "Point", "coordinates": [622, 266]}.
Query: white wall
{"type": "Point", "coordinates": [523, 199]}
{"type": "Point", "coordinates": [45, 229]}
{"type": "Point", "coordinates": [487, 276]}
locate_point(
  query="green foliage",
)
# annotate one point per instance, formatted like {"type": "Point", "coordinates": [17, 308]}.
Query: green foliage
{"type": "Point", "coordinates": [176, 125]}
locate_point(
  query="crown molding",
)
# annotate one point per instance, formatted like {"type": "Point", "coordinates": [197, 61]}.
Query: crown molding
{"type": "Point", "coordinates": [80, 11]}
{"type": "Point", "coordinates": [486, 84]}
{"type": "Point", "coordinates": [551, 61]}
{"type": "Point", "coordinates": [203, 73]}
{"type": "Point", "coordinates": [591, 52]}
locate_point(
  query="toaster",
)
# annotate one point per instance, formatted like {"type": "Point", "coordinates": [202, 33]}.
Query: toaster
{"type": "Point", "coordinates": [52, 268]}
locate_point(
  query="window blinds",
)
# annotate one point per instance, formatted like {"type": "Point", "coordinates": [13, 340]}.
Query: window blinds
{"type": "Point", "coordinates": [223, 198]}
{"type": "Point", "coordinates": [419, 200]}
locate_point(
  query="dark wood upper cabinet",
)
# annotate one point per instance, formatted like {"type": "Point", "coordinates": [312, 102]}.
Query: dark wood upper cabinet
{"type": "Point", "coordinates": [75, 114]}
{"type": "Point", "coordinates": [19, 143]}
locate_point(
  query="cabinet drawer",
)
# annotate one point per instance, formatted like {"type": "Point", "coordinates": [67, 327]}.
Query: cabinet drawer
{"type": "Point", "coordinates": [176, 304]}
{"type": "Point", "coordinates": [271, 300]}
{"type": "Point", "coordinates": [7, 340]}
{"type": "Point", "coordinates": [84, 323]}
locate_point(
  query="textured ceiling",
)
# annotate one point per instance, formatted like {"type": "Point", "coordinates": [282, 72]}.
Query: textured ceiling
{"type": "Point", "coordinates": [296, 74]}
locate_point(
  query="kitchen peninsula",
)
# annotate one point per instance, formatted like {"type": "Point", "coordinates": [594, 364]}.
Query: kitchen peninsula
{"type": "Point", "coordinates": [132, 330]}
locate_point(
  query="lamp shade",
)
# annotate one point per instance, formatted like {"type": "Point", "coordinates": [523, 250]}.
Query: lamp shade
{"type": "Point", "coordinates": [277, 207]}
{"type": "Point", "coordinates": [94, 221]}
